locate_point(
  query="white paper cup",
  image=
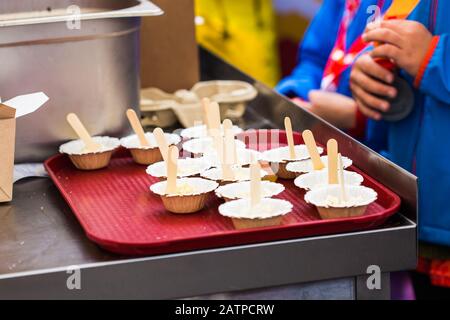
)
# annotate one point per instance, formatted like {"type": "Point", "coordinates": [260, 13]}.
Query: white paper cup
{"type": "Point", "coordinates": [187, 167]}
{"type": "Point", "coordinates": [330, 204]}
{"type": "Point", "coordinates": [319, 179]}
{"type": "Point", "coordinates": [205, 145]}
{"type": "Point", "coordinates": [269, 212]}
{"type": "Point", "coordinates": [87, 160]}
{"type": "Point", "coordinates": [306, 166]}
{"type": "Point", "coordinates": [187, 202]}
{"type": "Point", "coordinates": [200, 131]}
{"type": "Point", "coordinates": [241, 190]}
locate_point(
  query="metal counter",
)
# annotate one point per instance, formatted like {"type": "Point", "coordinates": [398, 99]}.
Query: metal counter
{"type": "Point", "coordinates": [41, 241]}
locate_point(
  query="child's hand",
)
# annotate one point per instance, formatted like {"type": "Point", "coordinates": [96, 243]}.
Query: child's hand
{"type": "Point", "coordinates": [369, 81]}
{"type": "Point", "coordinates": [405, 42]}
{"type": "Point", "coordinates": [335, 108]}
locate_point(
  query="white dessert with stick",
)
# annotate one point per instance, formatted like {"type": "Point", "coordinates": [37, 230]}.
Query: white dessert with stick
{"type": "Point", "coordinates": [233, 154]}
{"type": "Point", "coordinates": [306, 166]}
{"type": "Point", "coordinates": [242, 190]}
{"type": "Point", "coordinates": [316, 162]}
{"type": "Point", "coordinates": [234, 174]}
{"type": "Point", "coordinates": [326, 176]}
{"type": "Point", "coordinates": [144, 146]}
{"type": "Point", "coordinates": [188, 167]}
{"type": "Point", "coordinates": [229, 170]}
{"type": "Point", "coordinates": [243, 157]}
{"type": "Point", "coordinates": [182, 195]}
{"type": "Point", "coordinates": [215, 133]}
{"type": "Point", "coordinates": [278, 158]}
{"type": "Point", "coordinates": [341, 200]}
{"type": "Point", "coordinates": [206, 145]}
{"type": "Point", "coordinates": [88, 153]}
{"type": "Point", "coordinates": [255, 211]}
{"type": "Point", "coordinates": [202, 130]}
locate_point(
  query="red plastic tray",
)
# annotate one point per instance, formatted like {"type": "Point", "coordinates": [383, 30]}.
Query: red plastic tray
{"type": "Point", "coordinates": [120, 214]}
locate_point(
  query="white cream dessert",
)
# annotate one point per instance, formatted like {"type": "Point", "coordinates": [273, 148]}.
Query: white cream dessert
{"type": "Point", "coordinates": [147, 154]}
{"type": "Point", "coordinates": [206, 145]}
{"type": "Point", "coordinates": [185, 187]}
{"type": "Point", "coordinates": [186, 167]}
{"type": "Point", "coordinates": [200, 131]}
{"type": "Point", "coordinates": [191, 194]}
{"type": "Point", "coordinates": [239, 174]}
{"type": "Point", "coordinates": [278, 158]}
{"type": "Point", "coordinates": [305, 166]}
{"type": "Point", "coordinates": [319, 179]}
{"type": "Point", "coordinates": [243, 156]}
{"type": "Point", "coordinates": [77, 147]}
{"type": "Point", "coordinates": [282, 154]}
{"type": "Point", "coordinates": [332, 203]}
{"type": "Point", "coordinates": [268, 212]}
{"type": "Point", "coordinates": [241, 190]}
{"type": "Point", "coordinates": [132, 141]}
{"type": "Point", "coordinates": [84, 159]}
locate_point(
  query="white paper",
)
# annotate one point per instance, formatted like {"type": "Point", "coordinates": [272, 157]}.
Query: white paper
{"type": "Point", "coordinates": [27, 103]}
{"type": "Point", "coordinates": [27, 170]}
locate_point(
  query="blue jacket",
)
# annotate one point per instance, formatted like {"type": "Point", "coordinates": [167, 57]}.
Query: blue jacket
{"type": "Point", "coordinates": [420, 143]}
{"type": "Point", "coordinates": [317, 44]}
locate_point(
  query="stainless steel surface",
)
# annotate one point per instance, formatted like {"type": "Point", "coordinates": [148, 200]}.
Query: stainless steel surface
{"type": "Point", "coordinates": [14, 13]}
{"type": "Point", "coordinates": [40, 238]}
{"type": "Point", "coordinates": [92, 70]}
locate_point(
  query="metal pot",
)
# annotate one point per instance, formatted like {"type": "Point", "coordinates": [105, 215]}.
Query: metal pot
{"type": "Point", "coordinates": [84, 54]}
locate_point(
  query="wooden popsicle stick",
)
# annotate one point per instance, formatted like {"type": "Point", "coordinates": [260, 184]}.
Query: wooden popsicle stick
{"type": "Point", "coordinates": [255, 184]}
{"type": "Point", "coordinates": [332, 151]}
{"type": "Point", "coordinates": [78, 127]}
{"type": "Point", "coordinates": [214, 122]}
{"type": "Point", "coordinates": [230, 142]}
{"type": "Point", "coordinates": [310, 142]}
{"type": "Point", "coordinates": [206, 113]}
{"type": "Point", "coordinates": [341, 179]}
{"type": "Point", "coordinates": [290, 137]}
{"type": "Point", "coordinates": [172, 167]}
{"type": "Point", "coordinates": [227, 171]}
{"type": "Point", "coordinates": [214, 116]}
{"type": "Point", "coordinates": [137, 127]}
{"type": "Point", "coordinates": [162, 143]}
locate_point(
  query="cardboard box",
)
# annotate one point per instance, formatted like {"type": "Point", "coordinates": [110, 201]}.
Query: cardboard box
{"type": "Point", "coordinates": [9, 111]}
{"type": "Point", "coordinates": [169, 53]}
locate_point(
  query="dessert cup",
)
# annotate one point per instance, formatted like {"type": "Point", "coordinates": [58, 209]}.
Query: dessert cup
{"type": "Point", "coordinates": [200, 131]}
{"type": "Point", "coordinates": [87, 160]}
{"type": "Point", "coordinates": [319, 179]}
{"type": "Point", "coordinates": [241, 190]}
{"type": "Point", "coordinates": [191, 196]}
{"type": "Point", "coordinates": [269, 212]}
{"type": "Point", "coordinates": [278, 158]}
{"type": "Point", "coordinates": [306, 166]}
{"type": "Point", "coordinates": [328, 203]}
{"type": "Point", "coordinates": [146, 155]}
{"type": "Point", "coordinates": [188, 167]}
{"type": "Point", "coordinates": [205, 145]}
{"type": "Point", "coordinates": [243, 156]}
{"type": "Point", "coordinates": [239, 174]}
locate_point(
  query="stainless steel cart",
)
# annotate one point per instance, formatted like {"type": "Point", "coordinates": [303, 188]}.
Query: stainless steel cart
{"type": "Point", "coordinates": [41, 243]}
